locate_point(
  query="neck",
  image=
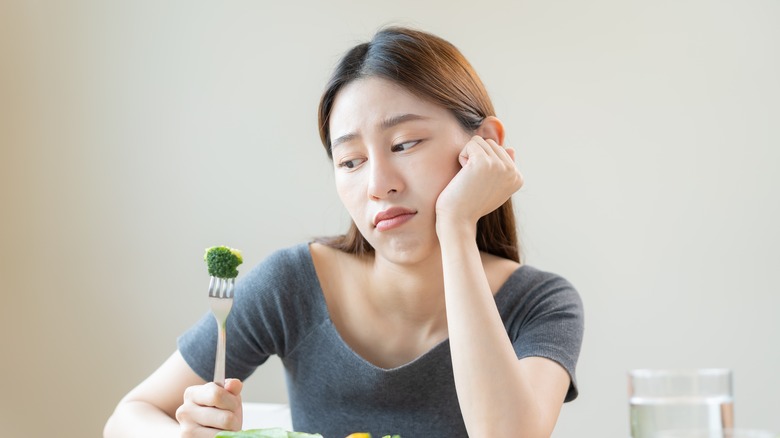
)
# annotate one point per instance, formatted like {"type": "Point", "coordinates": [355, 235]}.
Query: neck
{"type": "Point", "coordinates": [412, 292]}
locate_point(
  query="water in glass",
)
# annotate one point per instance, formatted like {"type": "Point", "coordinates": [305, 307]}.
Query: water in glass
{"type": "Point", "coordinates": [649, 416]}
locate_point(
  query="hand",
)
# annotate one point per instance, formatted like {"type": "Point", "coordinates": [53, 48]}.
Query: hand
{"type": "Point", "coordinates": [209, 409]}
{"type": "Point", "coordinates": [487, 179]}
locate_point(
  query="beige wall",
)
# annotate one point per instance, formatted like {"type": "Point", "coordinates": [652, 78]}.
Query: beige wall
{"type": "Point", "coordinates": [135, 134]}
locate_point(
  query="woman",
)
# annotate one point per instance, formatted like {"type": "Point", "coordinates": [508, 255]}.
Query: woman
{"type": "Point", "coordinates": [420, 320]}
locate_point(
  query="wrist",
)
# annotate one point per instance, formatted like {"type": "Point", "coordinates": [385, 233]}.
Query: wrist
{"type": "Point", "coordinates": [459, 230]}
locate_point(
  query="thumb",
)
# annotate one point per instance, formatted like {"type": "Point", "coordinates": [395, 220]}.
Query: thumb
{"type": "Point", "coordinates": [234, 386]}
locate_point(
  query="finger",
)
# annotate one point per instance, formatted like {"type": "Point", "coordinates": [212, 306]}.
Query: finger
{"type": "Point", "coordinates": [476, 145]}
{"type": "Point", "coordinates": [501, 151]}
{"type": "Point", "coordinates": [208, 432]}
{"type": "Point", "coordinates": [234, 386]}
{"type": "Point", "coordinates": [212, 395]}
{"type": "Point", "coordinates": [194, 430]}
{"type": "Point", "coordinates": [468, 151]}
{"type": "Point", "coordinates": [195, 416]}
{"type": "Point", "coordinates": [482, 143]}
{"type": "Point", "coordinates": [493, 149]}
{"type": "Point", "coordinates": [200, 432]}
{"type": "Point", "coordinates": [511, 153]}
{"type": "Point", "coordinates": [507, 155]}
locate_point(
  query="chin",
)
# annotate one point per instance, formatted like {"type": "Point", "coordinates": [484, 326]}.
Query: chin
{"type": "Point", "coordinates": [406, 251]}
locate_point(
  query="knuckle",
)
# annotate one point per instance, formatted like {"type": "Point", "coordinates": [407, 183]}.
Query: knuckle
{"type": "Point", "coordinates": [183, 414]}
{"type": "Point", "coordinates": [206, 395]}
{"type": "Point", "coordinates": [189, 392]}
{"type": "Point", "coordinates": [212, 390]}
{"type": "Point", "coordinates": [188, 410]}
{"type": "Point", "coordinates": [227, 419]}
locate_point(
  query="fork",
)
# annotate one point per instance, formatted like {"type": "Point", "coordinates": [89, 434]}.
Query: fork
{"type": "Point", "coordinates": [221, 301]}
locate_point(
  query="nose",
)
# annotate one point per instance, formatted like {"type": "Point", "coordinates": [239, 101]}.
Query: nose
{"type": "Point", "coordinates": [384, 178]}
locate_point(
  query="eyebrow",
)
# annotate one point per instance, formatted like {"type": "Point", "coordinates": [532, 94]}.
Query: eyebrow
{"type": "Point", "coordinates": [385, 124]}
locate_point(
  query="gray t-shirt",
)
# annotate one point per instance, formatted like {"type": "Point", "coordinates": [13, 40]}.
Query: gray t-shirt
{"type": "Point", "coordinates": [279, 309]}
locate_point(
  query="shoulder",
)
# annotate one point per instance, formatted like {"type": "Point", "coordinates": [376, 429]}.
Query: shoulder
{"type": "Point", "coordinates": [530, 291]}
{"type": "Point", "coordinates": [528, 277]}
{"type": "Point", "coordinates": [291, 263]}
{"type": "Point", "coordinates": [285, 278]}
{"type": "Point", "coordinates": [291, 256]}
{"type": "Point", "coordinates": [498, 270]}
{"type": "Point", "coordinates": [279, 300]}
{"type": "Point", "coordinates": [330, 264]}
{"type": "Point", "coordinates": [321, 252]}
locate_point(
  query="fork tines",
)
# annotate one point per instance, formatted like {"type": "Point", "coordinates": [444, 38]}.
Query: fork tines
{"type": "Point", "coordinates": [221, 287]}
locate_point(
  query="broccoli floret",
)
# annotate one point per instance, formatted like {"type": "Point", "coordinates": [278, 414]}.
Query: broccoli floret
{"type": "Point", "coordinates": [223, 261]}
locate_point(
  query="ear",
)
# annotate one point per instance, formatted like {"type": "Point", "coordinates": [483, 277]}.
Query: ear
{"type": "Point", "coordinates": [491, 128]}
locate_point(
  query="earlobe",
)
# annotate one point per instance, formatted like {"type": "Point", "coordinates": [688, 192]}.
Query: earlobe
{"type": "Point", "coordinates": [491, 128]}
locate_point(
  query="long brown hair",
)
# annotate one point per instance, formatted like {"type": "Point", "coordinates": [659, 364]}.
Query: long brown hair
{"type": "Point", "coordinates": [432, 69]}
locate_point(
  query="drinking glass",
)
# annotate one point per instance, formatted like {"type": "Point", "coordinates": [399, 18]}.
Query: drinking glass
{"type": "Point", "coordinates": [664, 400]}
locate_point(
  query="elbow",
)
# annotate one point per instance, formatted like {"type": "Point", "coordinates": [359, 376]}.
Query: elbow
{"type": "Point", "coordinates": [117, 425]}
{"type": "Point", "coordinates": [521, 427]}
{"type": "Point", "coordinates": [110, 430]}
{"type": "Point", "coordinates": [522, 432]}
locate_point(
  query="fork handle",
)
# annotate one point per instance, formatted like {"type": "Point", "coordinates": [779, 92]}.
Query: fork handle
{"type": "Point", "coordinates": [219, 363]}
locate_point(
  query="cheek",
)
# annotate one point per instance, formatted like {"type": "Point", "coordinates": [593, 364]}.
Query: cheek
{"type": "Point", "coordinates": [439, 179]}
{"type": "Point", "coordinates": [444, 167]}
{"type": "Point", "coordinates": [349, 193]}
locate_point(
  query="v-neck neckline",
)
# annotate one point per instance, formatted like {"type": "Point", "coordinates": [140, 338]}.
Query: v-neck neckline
{"type": "Point", "coordinates": [320, 296]}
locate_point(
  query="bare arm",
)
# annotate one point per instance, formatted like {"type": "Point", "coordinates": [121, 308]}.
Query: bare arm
{"type": "Point", "coordinates": [174, 402]}
{"type": "Point", "coordinates": [499, 395]}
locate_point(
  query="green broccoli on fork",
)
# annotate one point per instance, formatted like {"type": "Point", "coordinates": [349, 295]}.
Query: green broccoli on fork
{"type": "Point", "coordinates": [223, 261]}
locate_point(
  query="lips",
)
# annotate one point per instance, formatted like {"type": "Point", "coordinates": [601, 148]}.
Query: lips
{"type": "Point", "coordinates": [392, 217]}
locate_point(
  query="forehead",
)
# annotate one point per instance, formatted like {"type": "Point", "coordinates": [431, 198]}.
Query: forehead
{"type": "Point", "coordinates": [365, 103]}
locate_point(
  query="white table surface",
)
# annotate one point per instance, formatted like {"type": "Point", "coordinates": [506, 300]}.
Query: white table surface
{"type": "Point", "coordinates": [263, 415]}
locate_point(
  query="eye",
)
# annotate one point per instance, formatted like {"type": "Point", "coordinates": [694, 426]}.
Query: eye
{"type": "Point", "coordinates": [351, 164]}
{"type": "Point", "coordinates": [404, 146]}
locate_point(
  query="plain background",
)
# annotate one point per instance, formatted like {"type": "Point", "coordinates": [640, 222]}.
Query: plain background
{"type": "Point", "coordinates": [136, 134]}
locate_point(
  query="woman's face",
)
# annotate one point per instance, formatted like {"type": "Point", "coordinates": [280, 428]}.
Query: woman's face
{"type": "Point", "coordinates": [393, 153]}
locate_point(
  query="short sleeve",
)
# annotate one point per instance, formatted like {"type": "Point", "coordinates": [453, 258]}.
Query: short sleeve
{"type": "Point", "coordinates": [259, 324]}
{"type": "Point", "coordinates": [544, 317]}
